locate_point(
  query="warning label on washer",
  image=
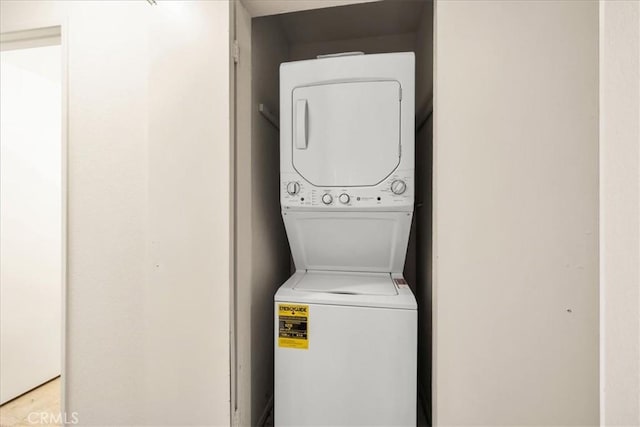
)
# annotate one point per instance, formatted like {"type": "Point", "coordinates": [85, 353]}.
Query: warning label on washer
{"type": "Point", "coordinates": [293, 320]}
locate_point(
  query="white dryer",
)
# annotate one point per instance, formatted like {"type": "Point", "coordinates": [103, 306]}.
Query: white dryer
{"type": "Point", "coordinates": [346, 321]}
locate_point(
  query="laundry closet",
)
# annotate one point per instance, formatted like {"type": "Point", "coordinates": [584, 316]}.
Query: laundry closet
{"type": "Point", "coordinates": [503, 251]}
{"type": "Point", "coordinates": [263, 257]}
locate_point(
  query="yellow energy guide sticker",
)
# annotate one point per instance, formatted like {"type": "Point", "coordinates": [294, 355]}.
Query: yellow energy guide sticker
{"type": "Point", "coordinates": [293, 320]}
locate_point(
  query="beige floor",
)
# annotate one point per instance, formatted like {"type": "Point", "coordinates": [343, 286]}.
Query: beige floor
{"type": "Point", "coordinates": [44, 402]}
{"type": "Point", "coordinates": [39, 407]}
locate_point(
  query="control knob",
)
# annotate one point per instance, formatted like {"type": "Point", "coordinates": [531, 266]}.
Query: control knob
{"type": "Point", "coordinates": [293, 188]}
{"type": "Point", "coordinates": [327, 199]}
{"type": "Point", "coordinates": [344, 198]}
{"type": "Point", "coordinates": [398, 186]}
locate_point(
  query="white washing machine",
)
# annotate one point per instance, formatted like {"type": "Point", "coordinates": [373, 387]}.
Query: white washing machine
{"type": "Point", "coordinates": [346, 321]}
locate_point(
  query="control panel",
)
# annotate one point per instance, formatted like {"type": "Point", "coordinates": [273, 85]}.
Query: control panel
{"type": "Point", "coordinates": [397, 190]}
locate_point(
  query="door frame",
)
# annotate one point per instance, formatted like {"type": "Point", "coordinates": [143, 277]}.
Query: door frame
{"type": "Point", "coordinates": [38, 34]}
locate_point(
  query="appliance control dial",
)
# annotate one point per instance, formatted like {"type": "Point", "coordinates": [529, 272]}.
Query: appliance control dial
{"type": "Point", "coordinates": [327, 199]}
{"type": "Point", "coordinates": [293, 188]}
{"type": "Point", "coordinates": [398, 186]}
{"type": "Point", "coordinates": [344, 198]}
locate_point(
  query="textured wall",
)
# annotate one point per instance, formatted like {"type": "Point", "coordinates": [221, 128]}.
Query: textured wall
{"type": "Point", "coordinates": [620, 212]}
{"type": "Point", "coordinates": [516, 213]}
{"type": "Point", "coordinates": [147, 293]}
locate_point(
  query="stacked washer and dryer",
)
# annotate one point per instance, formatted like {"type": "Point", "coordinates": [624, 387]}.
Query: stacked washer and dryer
{"type": "Point", "coordinates": [346, 321]}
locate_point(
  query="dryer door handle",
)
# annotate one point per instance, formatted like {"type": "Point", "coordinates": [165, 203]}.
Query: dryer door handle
{"type": "Point", "coordinates": [301, 124]}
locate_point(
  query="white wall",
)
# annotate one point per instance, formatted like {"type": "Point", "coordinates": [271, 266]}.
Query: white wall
{"type": "Point", "coordinates": [30, 219]}
{"type": "Point", "coordinates": [107, 211]}
{"type": "Point", "coordinates": [516, 213]}
{"type": "Point", "coordinates": [148, 208]}
{"type": "Point", "coordinates": [187, 294]}
{"type": "Point", "coordinates": [620, 212]}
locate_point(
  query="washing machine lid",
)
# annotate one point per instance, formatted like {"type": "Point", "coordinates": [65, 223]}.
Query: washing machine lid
{"type": "Point", "coordinates": [346, 133]}
{"type": "Point", "coordinates": [321, 288]}
{"type": "Point", "coordinates": [348, 241]}
{"type": "Point", "coordinates": [347, 283]}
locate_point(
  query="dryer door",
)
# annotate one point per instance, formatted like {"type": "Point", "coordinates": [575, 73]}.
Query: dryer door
{"type": "Point", "coordinates": [346, 134]}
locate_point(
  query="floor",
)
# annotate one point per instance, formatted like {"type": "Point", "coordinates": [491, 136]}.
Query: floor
{"type": "Point", "coordinates": [39, 407]}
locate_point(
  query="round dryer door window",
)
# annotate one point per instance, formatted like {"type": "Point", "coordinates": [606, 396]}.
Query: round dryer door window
{"type": "Point", "coordinates": [346, 134]}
